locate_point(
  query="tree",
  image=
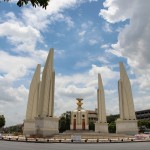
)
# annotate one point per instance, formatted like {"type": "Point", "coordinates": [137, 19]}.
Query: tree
{"type": "Point", "coordinates": [143, 125]}
{"type": "Point", "coordinates": [112, 127]}
{"type": "Point", "coordinates": [41, 3]}
{"type": "Point", "coordinates": [2, 121]}
{"type": "Point", "coordinates": [64, 121]}
{"type": "Point", "coordinates": [112, 118]}
{"type": "Point", "coordinates": [91, 126]}
{"type": "Point", "coordinates": [111, 123]}
{"type": "Point", "coordinates": [16, 129]}
{"type": "Point", "coordinates": [62, 124]}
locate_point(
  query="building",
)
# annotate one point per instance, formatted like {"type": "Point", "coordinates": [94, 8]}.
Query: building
{"type": "Point", "coordinates": [140, 115]}
{"type": "Point", "coordinates": [79, 117]}
{"type": "Point", "coordinates": [92, 115]}
{"type": "Point", "coordinates": [143, 114]}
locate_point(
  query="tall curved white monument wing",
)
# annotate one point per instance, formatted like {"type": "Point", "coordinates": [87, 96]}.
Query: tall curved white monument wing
{"type": "Point", "coordinates": [127, 122]}
{"type": "Point", "coordinates": [101, 101]}
{"type": "Point", "coordinates": [127, 110]}
{"type": "Point", "coordinates": [31, 112]}
{"type": "Point", "coordinates": [101, 125]}
{"type": "Point", "coordinates": [47, 87]}
{"type": "Point", "coordinates": [41, 102]}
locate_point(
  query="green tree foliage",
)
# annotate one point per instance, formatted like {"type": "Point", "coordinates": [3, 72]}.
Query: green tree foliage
{"type": "Point", "coordinates": [14, 129]}
{"type": "Point", "coordinates": [112, 127]}
{"type": "Point", "coordinates": [41, 3]}
{"type": "Point", "coordinates": [91, 126]}
{"type": "Point", "coordinates": [64, 121]}
{"type": "Point", "coordinates": [144, 125]}
{"type": "Point", "coordinates": [112, 118]}
{"type": "Point", "coordinates": [2, 121]}
{"type": "Point", "coordinates": [111, 123]}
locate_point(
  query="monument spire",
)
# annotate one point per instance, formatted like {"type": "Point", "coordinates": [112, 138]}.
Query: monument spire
{"type": "Point", "coordinates": [47, 87]}
{"type": "Point", "coordinates": [127, 122]}
{"type": "Point", "coordinates": [125, 96]}
{"type": "Point", "coordinates": [101, 101]}
{"type": "Point", "coordinates": [33, 95]}
{"type": "Point", "coordinates": [101, 125]}
{"type": "Point", "coordinates": [40, 119]}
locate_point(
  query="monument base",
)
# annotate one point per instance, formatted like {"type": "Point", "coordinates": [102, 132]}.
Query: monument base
{"type": "Point", "coordinates": [29, 127]}
{"type": "Point", "coordinates": [42, 127]}
{"type": "Point", "coordinates": [46, 126]}
{"type": "Point", "coordinates": [101, 127]}
{"type": "Point", "coordinates": [126, 127]}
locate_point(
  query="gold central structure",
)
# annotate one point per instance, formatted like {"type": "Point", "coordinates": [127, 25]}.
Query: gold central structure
{"type": "Point", "coordinates": [79, 103]}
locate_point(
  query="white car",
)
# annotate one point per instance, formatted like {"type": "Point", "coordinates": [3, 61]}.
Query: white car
{"type": "Point", "coordinates": [0, 136]}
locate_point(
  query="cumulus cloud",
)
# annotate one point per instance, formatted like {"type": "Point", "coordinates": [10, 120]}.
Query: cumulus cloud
{"type": "Point", "coordinates": [82, 33]}
{"type": "Point", "coordinates": [12, 101]}
{"type": "Point", "coordinates": [133, 40]}
{"type": "Point", "coordinates": [24, 38]}
{"type": "Point", "coordinates": [93, 41]}
{"type": "Point", "coordinates": [40, 18]}
{"type": "Point", "coordinates": [23, 33]}
{"type": "Point", "coordinates": [85, 86]}
{"type": "Point", "coordinates": [105, 46]}
{"type": "Point", "coordinates": [87, 33]}
{"type": "Point", "coordinates": [107, 27]}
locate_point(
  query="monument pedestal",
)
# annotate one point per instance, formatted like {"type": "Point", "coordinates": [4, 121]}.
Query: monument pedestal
{"type": "Point", "coordinates": [29, 127]}
{"type": "Point", "coordinates": [46, 126]}
{"type": "Point", "coordinates": [126, 127]}
{"type": "Point", "coordinates": [101, 127]}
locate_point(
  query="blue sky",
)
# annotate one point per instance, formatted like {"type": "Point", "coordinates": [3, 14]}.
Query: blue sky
{"type": "Point", "coordinates": [89, 37]}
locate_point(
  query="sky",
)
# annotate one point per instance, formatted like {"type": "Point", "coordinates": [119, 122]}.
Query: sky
{"type": "Point", "coordinates": [88, 37]}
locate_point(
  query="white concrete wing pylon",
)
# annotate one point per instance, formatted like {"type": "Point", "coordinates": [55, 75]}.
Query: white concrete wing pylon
{"type": "Point", "coordinates": [127, 123]}
{"type": "Point", "coordinates": [33, 95]}
{"type": "Point", "coordinates": [101, 126]}
{"type": "Point", "coordinates": [40, 119]}
{"type": "Point", "coordinates": [127, 110]}
{"type": "Point", "coordinates": [101, 101]}
{"type": "Point", "coordinates": [47, 87]}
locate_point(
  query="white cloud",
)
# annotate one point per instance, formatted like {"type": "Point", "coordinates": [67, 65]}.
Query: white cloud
{"type": "Point", "coordinates": [81, 64]}
{"type": "Point", "coordinates": [107, 27]}
{"type": "Point", "coordinates": [88, 33]}
{"type": "Point", "coordinates": [140, 103]}
{"type": "Point", "coordinates": [93, 41]}
{"type": "Point", "coordinates": [114, 52]}
{"type": "Point", "coordinates": [133, 40]}
{"type": "Point", "coordinates": [12, 63]}
{"type": "Point", "coordinates": [103, 59]}
{"type": "Point", "coordinates": [82, 33]}
{"type": "Point", "coordinates": [93, 1]}
{"type": "Point", "coordinates": [12, 101]}
{"type": "Point", "coordinates": [105, 46]}
{"type": "Point", "coordinates": [23, 38]}
{"type": "Point", "coordinates": [40, 18]}
{"type": "Point", "coordinates": [106, 72]}
{"type": "Point", "coordinates": [116, 10]}
{"type": "Point", "coordinates": [84, 85]}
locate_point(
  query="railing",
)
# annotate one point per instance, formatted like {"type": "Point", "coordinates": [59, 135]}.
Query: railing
{"type": "Point", "coordinates": [82, 140]}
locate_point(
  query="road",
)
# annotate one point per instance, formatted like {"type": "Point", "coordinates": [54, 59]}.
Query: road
{"type": "Point", "coordinates": [8, 145]}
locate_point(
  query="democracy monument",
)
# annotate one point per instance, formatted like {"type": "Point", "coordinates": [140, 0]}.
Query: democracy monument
{"type": "Point", "coordinates": [40, 119]}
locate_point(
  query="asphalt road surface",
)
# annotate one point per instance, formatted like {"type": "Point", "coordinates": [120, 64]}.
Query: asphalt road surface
{"type": "Point", "coordinates": [8, 145]}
